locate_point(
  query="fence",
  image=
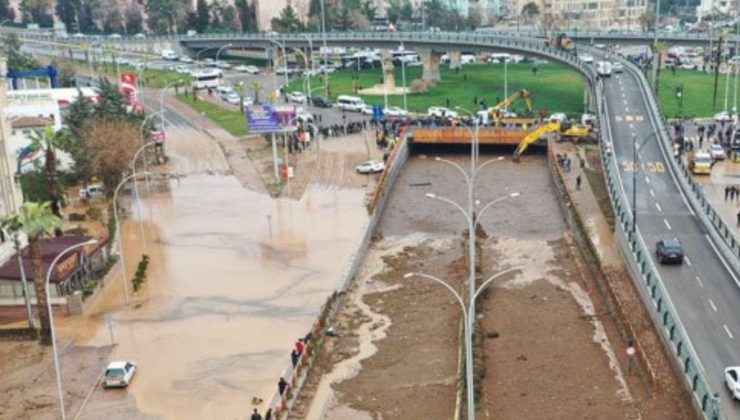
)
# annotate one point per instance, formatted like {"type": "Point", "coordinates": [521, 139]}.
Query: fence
{"type": "Point", "coordinates": [649, 282]}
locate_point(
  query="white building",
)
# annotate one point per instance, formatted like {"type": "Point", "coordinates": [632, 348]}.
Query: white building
{"type": "Point", "coordinates": [717, 7]}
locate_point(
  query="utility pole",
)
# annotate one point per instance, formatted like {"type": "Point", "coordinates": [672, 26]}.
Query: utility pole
{"type": "Point", "coordinates": [656, 58]}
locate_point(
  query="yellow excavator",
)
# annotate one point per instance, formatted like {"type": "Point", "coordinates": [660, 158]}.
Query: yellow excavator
{"type": "Point", "coordinates": [563, 129]}
{"type": "Point", "coordinates": [496, 112]}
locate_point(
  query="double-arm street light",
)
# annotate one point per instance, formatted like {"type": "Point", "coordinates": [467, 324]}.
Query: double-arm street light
{"type": "Point", "coordinates": [221, 49]}
{"type": "Point", "coordinates": [118, 229]}
{"type": "Point", "coordinates": [51, 320]}
{"type": "Point", "coordinates": [281, 45]}
{"type": "Point", "coordinates": [472, 218]}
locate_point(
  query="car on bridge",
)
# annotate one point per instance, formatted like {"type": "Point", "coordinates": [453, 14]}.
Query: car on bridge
{"type": "Point", "coordinates": [732, 380]}
{"type": "Point", "coordinates": [669, 251]}
{"type": "Point", "coordinates": [586, 58]}
{"type": "Point", "coordinates": [617, 67]}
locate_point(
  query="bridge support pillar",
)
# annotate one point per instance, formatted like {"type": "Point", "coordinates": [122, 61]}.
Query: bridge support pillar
{"type": "Point", "coordinates": [430, 65]}
{"type": "Point", "coordinates": [455, 61]}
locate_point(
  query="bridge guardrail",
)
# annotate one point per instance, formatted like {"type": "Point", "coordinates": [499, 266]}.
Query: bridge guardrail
{"type": "Point", "coordinates": [663, 310]}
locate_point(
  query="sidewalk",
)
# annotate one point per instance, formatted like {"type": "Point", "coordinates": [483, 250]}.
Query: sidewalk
{"type": "Point", "coordinates": [667, 394]}
{"type": "Point", "coordinates": [725, 173]}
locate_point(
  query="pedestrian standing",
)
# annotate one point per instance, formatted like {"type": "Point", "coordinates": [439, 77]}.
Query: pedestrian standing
{"type": "Point", "coordinates": [583, 162]}
{"type": "Point", "coordinates": [578, 182]}
{"type": "Point", "coordinates": [738, 218]}
{"type": "Point", "coordinates": [255, 415]}
{"type": "Point", "coordinates": [737, 193]}
{"type": "Point", "coordinates": [732, 193]}
{"type": "Point", "coordinates": [294, 356]}
{"type": "Point", "coordinates": [727, 192]}
{"type": "Point", "coordinates": [282, 385]}
{"type": "Point", "coordinates": [299, 346]}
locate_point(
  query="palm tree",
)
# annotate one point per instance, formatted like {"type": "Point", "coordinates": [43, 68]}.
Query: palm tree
{"type": "Point", "coordinates": [52, 140]}
{"type": "Point", "coordinates": [38, 220]}
{"type": "Point", "coordinates": [13, 224]}
{"type": "Point", "coordinates": [256, 88]}
{"type": "Point", "coordinates": [240, 89]}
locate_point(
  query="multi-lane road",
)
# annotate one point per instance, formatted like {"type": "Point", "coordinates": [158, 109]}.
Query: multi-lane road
{"type": "Point", "coordinates": [704, 290]}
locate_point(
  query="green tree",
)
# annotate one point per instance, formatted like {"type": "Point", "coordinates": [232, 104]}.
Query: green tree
{"type": "Point", "coordinates": [256, 89]}
{"type": "Point", "coordinates": [228, 18]}
{"type": "Point", "coordinates": [38, 221]}
{"type": "Point", "coordinates": [5, 10]}
{"type": "Point", "coordinates": [393, 11]}
{"type": "Point", "coordinates": [113, 22]}
{"type": "Point", "coordinates": [13, 224]}
{"type": "Point", "coordinates": [162, 14]}
{"type": "Point", "coordinates": [17, 59]}
{"type": "Point", "coordinates": [66, 12]}
{"type": "Point", "coordinates": [134, 20]}
{"type": "Point", "coordinates": [369, 10]}
{"type": "Point", "coordinates": [287, 21]}
{"type": "Point", "coordinates": [202, 16]}
{"type": "Point", "coordinates": [80, 112]}
{"type": "Point", "coordinates": [112, 105]}
{"type": "Point", "coordinates": [51, 140]}
{"type": "Point", "coordinates": [530, 11]}
{"type": "Point", "coordinates": [247, 15]}
{"type": "Point", "coordinates": [406, 13]}
{"type": "Point", "coordinates": [36, 11]}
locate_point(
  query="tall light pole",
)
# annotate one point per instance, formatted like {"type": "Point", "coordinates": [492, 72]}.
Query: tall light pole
{"type": "Point", "coordinates": [323, 53]}
{"type": "Point", "coordinates": [403, 79]}
{"type": "Point", "coordinates": [118, 230]}
{"type": "Point", "coordinates": [221, 49]}
{"type": "Point", "coordinates": [281, 45]}
{"type": "Point", "coordinates": [472, 219]}
{"type": "Point", "coordinates": [656, 59]}
{"type": "Point", "coordinates": [197, 55]}
{"type": "Point", "coordinates": [307, 76]}
{"type": "Point", "coordinates": [161, 101]}
{"type": "Point", "coordinates": [136, 193]}
{"type": "Point", "coordinates": [736, 63]}
{"type": "Point", "coordinates": [51, 321]}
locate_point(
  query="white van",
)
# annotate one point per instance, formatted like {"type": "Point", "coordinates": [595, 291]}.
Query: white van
{"type": "Point", "coordinates": [169, 55]}
{"type": "Point", "coordinates": [468, 59]}
{"type": "Point", "coordinates": [350, 103]}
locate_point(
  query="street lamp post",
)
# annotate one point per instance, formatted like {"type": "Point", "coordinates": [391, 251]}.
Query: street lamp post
{"type": "Point", "coordinates": [472, 220]}
{"type": "Point", "coordinates": [307, 75]}
{"type": "Point", "coordinates": [221, 49]}
{"type": "Point", "coordinates": [656, 59]}
{"type": "Point", "coordinates": [118, 230]}
{"type": "Point", "coordinates": [468, 318]}
{"type": "Point", "coordinates": [136, 193]}
{"type": "Point", "coordinates": [51, 321]}
{"type": "Point", "coordinates": [323, 52]}
{"type": "Point", "coordinates": [281, 45]}
{"type": "Point", "coordinates": [161, 101]}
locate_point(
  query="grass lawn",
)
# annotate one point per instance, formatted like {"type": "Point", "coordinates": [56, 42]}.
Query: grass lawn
{"type": "Point", "coordinates": [555, 88]}
{"type": "Point", "coordinates": [232, 121]}
{"type": "Point", "coordinates": [151, 77]}
{"type": "Point", "coordinates": [698, 88]}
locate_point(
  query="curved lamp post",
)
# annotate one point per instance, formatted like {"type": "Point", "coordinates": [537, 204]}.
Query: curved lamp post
{"type": "Point", "coordinates": [51, 321]}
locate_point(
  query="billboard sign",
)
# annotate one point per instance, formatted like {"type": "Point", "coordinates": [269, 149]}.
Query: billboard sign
{"type": "Point", "coordinates": [263, 119]}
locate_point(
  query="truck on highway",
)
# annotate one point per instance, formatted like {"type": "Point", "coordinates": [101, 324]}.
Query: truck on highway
{"type": "Point", "coordinates": [700, 162]}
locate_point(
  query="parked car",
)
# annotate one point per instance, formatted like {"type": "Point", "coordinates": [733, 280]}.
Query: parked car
{"type": "Point", "coordinates": [370, 167]}
{"type": "Point", "coordinates": [441, 112]}
{"type": "Point", "coordinates": [232, 98]}
{"type": "Point", "coordinates": [321, 101]}
{"type": "Point", "coordinates": [223, 65]}
{"type": "Point", "coordinates": [669, 251]}
{"type": "Point", "coordinates": [395, 111]}
{"type": "Point", "coordinates": [209, 62]}
{"type": "Point", "coordinates": [182, 69]}
{"type": "Point", "coordinates": [297, 97]}
{"type": "Point", "coordinates": [280, 71]}
{"type": "Point", "coordinates": [186, 59]}
{"type": "Point", "coordinates": [717, 152]}
{"type": "Point", "coordinates": [367, 110]}
{"type": "Point", "coordinates": [248, 101]}
{"type": "Point", "coordinates": [732, 380]}
{"type": "Point", "coordinates": [119, 374]}
{"type": "Point", "coordinates": [304, 116]}
{"type": "Point", "coordinates": [224, 89]}
{"type": "Point", "coordinates": [92, 191]}
{"type": "Point", "coordinates": [723, 116]}
{"type": "Point", "coordinates": [586, 58]}
{"type": "Point", "coordinates": [247, 69]}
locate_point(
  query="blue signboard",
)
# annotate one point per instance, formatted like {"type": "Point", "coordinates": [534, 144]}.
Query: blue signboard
{"type": "Point", "coordinates": [378, 112]}
{"type": "Point", "coordinates": [263, 119]}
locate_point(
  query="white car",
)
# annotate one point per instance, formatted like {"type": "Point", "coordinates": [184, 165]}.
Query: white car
{"type": "Point", "coordinates": [92, 191]}
{"type": "Point", "coordinates": [182, 69]}
{"type": "Point", "coordinates": [114, 36]}
{"type": "Point", "coordinates": [248, 101]}
{"type": "Point", "coordinates": [186, 59]}
{"type": "Point", "coordinates": [304, 116]}
{"type": "Point", "coordinates": [209, 62]}
{"type": "Point", "coordinates": [223, 65]}
{"type": "Point", "coordinates": [558, 117]}
{"type": "Point", "coordinates": [297, 97]}
{"type": "Point", "coordinates": [370, 167]}
{"type": "Point", "coordinates": [224, 89]}
{"type": "Point", "coordinates": [441, 112]}
{"type": "Point", "coordinates": [367, 110]}
{"type": "Point", "coordinates": [723, 116]}
{"type": "Point", "coordinates": [247, 69]}
{"type": "Point", "coordinates": [395, 111]}
{"type": "Point", "coordinates": [232, 98]}
{"type": "Point", "coordinates": [587, 58]}
{"type": "Point", "coordinates": [282, 71]}
{"type": "Point", "coordinates": [617, 67]}
{"type": "Point", "coordinates": [732, 379]}
{"type": "Point", "coordinates": [118, 374]}
{"type": "Point", "coordinates": [688, 66]}
{"type": "Point", "coordinates": [717, 152]}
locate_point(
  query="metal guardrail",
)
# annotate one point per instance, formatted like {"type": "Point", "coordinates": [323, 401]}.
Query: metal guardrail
{"type": "Point", "coordinates": [669, 324]}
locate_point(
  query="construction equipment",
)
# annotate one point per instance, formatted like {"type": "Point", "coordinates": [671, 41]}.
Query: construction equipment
{"type": "Point", "coordinates": [564, 130]}
{"type": "Point", "coordinates": [560, 41]}
{"type": "Point", "coordinates": [497, 112]}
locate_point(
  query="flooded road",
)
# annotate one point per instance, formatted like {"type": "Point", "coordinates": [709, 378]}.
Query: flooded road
{"type": "Point", "coordinates": [235, 278]}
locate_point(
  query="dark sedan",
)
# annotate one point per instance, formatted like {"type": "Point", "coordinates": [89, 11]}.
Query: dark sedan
{"type": "Point", "coordinates": [669, 251]}
{"type": "Point", "coordinates": [321, 102]}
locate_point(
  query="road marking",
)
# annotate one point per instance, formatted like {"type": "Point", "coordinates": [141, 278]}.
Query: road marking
{"type": "Point", "coordinates": [642, 165]}
{"type": "Point", "coordinates": [714, 308]}
{"type": "Point", "coordinates": [657, 205]}
{"type": "Point", "coordinates": [625, 101]}
{"type": "Point", "coordinates": [626, 108]}
{"type": "Point", "coordinates": [632, 126]}
{"type": "Point", "coordinates": [667, 224]}
{"type": "Point", "coordinates": [647, 179]}
{"type": "Point", "coordinates": [688, 261]}
{"type": "Point", "coordinates": [698, 280]}
{"type": "Point", "coordinates": [727, 330]}
{"type": "Point", "coordinates": [721, 258]}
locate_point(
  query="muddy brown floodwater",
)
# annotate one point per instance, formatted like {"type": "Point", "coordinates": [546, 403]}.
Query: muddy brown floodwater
{"type": "Point", "coordinates": [235, 278]}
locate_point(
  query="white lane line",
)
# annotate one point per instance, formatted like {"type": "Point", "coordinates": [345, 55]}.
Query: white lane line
{"type": "Point", "coordinates": [657, 206]}
{"type": "Point", "coordinates": [626, 109]}
{"type": "Point", "coordinates": [632, 126]}
{"type": "Point", "coordinates": [698, 280]}
{"type": "Point", "coordinates": [647, 179]}
{"type": "Point", "coordinates": [724, 263]}
{"type": "Point", "coordinates": [727, 330]}
{"type": "Point", "coordinates": [688, 261]}
{"type": "Point", "coordinates": [652, 193]}
{"type": "Point", "coordinates": [625, 101]}
{"type": "Point", "coordinates": [714, 308]}
{"type": "Point", "coordinates": [642, 165]}
{"type": "Point", "coordinates": [667, 224]}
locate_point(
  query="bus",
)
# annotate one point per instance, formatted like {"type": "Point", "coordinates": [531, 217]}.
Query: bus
{"type": "Point", "coordinates": [207, 78]}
